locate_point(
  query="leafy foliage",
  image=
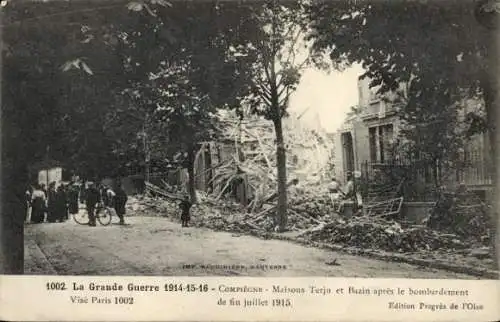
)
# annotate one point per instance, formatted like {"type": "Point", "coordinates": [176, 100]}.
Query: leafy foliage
{"type": "Point", "coordinates": [431, 46]}
{"type": "Point", "coordinates": [436, 49]}
{"type": "Point", "coordinates": [277, 52]}
{"type": "Point", "coordinates": [408, 39]}
{"type": "Point", "coordinates": [96, 76]}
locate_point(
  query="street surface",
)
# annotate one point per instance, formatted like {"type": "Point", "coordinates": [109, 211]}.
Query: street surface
{"type": "Point", "coordinates": [158, 246]}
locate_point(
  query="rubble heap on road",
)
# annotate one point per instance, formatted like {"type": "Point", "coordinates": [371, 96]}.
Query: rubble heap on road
{"type": "Point", "coordinates": [367, 233]}
{"type": "Point", "coordinates": [313, 223]}
{"type": "Point", "coordinates": [230, 216]}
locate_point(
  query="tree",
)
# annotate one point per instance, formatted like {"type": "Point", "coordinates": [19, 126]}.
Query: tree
{"type": "Point", "coordinates": [431, 132]}
{"type": "Point", "coordinates": [183, 83]}
{"type": "Point", "coordinates": [277, 48]}
{"type": "Point", "coordinates": [173, 35]}
{"type": "Point", "coordinates": [438, 44]}
{"type": "Point", "coordinates": [187, 115]}
{"type": "Point", "coordinates": [44, 109]}
{"type": "Point", "coordinates": [50, 53]}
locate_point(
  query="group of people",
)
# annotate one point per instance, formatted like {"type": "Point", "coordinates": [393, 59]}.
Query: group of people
{"type": "Point", "coordinates": [104, 195]}
{"type": "Point", "coordinates": [55, 204]}
{"type": "Point", "coordinates": [52, 204]}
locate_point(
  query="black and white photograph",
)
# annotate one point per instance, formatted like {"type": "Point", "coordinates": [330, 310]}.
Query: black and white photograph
{"type": "Point", "coordinates": [250, 138]}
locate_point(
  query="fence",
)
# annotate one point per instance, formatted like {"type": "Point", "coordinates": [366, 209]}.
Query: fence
{"type": "Point", "coordinates": [473, 169]}
{"type": "Point", "coordinates": [418, 179]}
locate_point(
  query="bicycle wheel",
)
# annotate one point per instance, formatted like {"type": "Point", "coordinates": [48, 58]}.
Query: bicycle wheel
{"type": "Point", "coordinates": [104, 216]}
{"type": "Point", "coordinates": [81, 218]}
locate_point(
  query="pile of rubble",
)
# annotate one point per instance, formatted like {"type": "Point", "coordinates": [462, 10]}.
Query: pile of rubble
{"type": "Point", "coordinates": [314, 223]}
{"type": "Point", "coordinates": [309, 155]}
{"type": "Point", "coordinates": [314, 206]}
{"type": "Point", "coordinates": [390, 236]}
{"type": "Point", "coordinates": [461, 224]}
{"type": "Point", "coordinates": [228, 216]}
{"type": "Point", "coordinates": [316, 220]}
{"type": "Point", "coordinates": [147, 206]}
{"type": "Point", "coordinates": [461, 212]}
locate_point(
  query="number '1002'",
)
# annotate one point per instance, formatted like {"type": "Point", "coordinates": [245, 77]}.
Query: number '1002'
{"type": "Point", "coordinates": [124, 300]}
{"type": "Point", "coordinates": [53, 286]}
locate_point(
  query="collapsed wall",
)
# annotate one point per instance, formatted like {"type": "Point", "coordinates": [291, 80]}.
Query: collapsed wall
{"type": "Point", "coordinates": [253, 157]}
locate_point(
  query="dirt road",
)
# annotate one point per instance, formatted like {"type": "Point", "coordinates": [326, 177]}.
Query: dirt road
{"type": "Point", "coordinates": [158, 246]}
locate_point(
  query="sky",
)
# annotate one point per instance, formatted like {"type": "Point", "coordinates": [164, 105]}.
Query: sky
{"type": "Point", "coordinates": [327, 97]}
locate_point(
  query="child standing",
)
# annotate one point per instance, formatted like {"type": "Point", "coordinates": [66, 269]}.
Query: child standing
{"type": "Point", "coordinates": [185, 206]}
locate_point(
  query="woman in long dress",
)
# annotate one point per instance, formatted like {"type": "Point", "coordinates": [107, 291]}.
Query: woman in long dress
{"type": "Point", "coordinates": [51, 203]}
{"type": "Point", "coordinates": [28, 194]}
{"type": "Point", "coordinates": [38, 204]}
{"type": "Point", "coordinates": [60, 205]}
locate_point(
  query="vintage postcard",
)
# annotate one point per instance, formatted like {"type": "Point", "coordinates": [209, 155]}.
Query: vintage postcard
{"type": "Point", "coordinates": [269, 160]}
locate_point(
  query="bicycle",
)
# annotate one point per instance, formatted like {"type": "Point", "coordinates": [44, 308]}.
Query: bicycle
{"type": "Point", "coordinates": [103, 215]}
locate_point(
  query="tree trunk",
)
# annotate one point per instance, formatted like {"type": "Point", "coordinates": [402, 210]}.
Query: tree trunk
{"type": "Point", "coordinates": [492, 104]}
{"type": "Point", "coordinates": [191, 183]}
{"type": "Point", "coordinates": [273, 196]}
{"type": "Point", "coordinates": [12, 219]}
{"type": "Point", "coordinates": [491, 92]}
{"type": "Point", "coordinates": [147, 154]}
{"type": "Point", "coordinates": [15, 177]}
{"type": "Point", "coordinates": [281, 216]}
{"type": "Point", "coordinates": [209, 165]}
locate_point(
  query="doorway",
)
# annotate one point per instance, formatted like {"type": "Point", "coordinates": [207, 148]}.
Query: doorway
{"type": "Point", "coordinates": [347, 151]}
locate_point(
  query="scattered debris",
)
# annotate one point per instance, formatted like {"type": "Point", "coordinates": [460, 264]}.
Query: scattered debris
{"type": "Point", "coordinates": [461, 213]}
{"type": "Point", "coordinates": [253, 161]}
{"type": "Point", "coordinates": [314, 224]}
{"type": "Point", "coordinates": [333, 263]}
{"type": "Point", "coordinates": [151, 189]}
{"type": "Point", "coordinates": [386, 208]}
{"type": "Point", "coordinates": [483, 252]}
{"type": "Point", "coordinates": [371, 233]}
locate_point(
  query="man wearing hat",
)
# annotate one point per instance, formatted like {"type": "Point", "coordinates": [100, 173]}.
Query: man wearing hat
{"type": "Point", "coordinates": [92, 198]}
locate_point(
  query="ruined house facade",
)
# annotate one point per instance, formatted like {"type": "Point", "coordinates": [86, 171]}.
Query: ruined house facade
{"type": "Point", "coordinates": [365, 136]}
{"type": "Point", "coordinates": [365, 141]}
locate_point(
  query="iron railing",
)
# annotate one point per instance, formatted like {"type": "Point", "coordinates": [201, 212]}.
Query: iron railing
{"type": "Point", "coordinates": [419, 179]}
